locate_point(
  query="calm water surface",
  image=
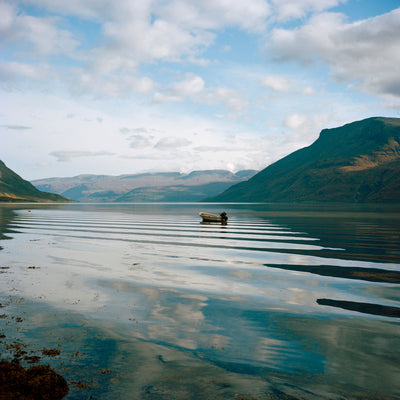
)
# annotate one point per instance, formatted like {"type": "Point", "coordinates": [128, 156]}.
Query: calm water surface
{"type": "Point", "coordinates": [145, 302]}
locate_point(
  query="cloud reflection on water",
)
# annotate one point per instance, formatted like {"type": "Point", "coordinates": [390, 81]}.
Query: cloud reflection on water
{"type": "Point", "coordinates": [244, 304]}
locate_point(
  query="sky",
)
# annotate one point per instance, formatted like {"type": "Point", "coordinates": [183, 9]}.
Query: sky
{"type": "Point", "coordinates": [129, 86]}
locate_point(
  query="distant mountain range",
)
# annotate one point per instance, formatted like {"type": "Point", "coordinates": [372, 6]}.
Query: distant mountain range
{"type": "Point", "coordinates": [358, 162]}
{"type": "Point", "coordinates": [148, 187]}
{"type": "Point", "coordinates": [15, 189]}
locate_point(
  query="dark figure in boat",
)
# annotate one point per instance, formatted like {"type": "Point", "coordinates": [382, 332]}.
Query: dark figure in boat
{"type": "Point", "coordinates": [224, 217]}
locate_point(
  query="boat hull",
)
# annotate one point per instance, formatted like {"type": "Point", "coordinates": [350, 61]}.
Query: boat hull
{"type": "Point", "coordinates": [207, 217]}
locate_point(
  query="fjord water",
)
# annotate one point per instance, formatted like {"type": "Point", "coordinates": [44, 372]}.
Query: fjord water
{"type": "Point", "coordinates": [145, 302]}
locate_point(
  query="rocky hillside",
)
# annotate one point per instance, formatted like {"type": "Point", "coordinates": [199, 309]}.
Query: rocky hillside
{"type": "Point", "coordinates": [358, 162]}
{"type": "Point", "coordinates": [15, 189]}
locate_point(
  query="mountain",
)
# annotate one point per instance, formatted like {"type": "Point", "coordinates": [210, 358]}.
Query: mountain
{"type": "Point", "coordinates": [358, 162]}
{"type": "Point", "coordinates": [176, 193]}
{"type": "Point", "coordinates": [15, 189]}
{"type": "Point", "coordinates": [148, 187]}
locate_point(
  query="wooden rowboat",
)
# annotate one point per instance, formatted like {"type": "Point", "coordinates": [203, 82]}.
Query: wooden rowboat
{"type": "Point", "coordinates": [207, 217]}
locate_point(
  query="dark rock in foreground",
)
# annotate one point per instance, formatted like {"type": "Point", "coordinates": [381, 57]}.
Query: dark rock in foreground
{"type": "Point", "coordinates": [36, 383]}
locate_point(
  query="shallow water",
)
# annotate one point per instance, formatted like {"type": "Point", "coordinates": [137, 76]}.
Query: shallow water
{"type": "Point", "coordinates": [145, 302]}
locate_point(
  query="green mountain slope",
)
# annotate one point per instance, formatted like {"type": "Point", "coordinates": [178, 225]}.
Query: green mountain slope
{"type": "Point", "coordinates": [15, 189]}
{"type": "Point", "coordinates": [358, 162]}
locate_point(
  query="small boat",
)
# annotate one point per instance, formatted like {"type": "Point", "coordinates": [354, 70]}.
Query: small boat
{"type": "Point", "coordinates": [207, 217]}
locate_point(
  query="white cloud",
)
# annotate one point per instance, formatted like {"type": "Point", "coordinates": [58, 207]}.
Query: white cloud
{"type": "Point", "coordinates": [139, 141]}
{"type": "Point", "coordinates": [143, 85]}
{"type": "Point", "coordinates": [306, 124]}
{"type": "Point", "coordinates": [166, 98]}
{"type": "Point", "coordinates": [213, 14]}
{"type": "Point", "coordinates": [90, 9]}
{"type": "Point", "coordinates": [132, 33]}
{"type": "Point", "coordinates": [295, 9]}
{"type": "Point", "coordinates": [172, 143]}
{"type": "Point", "coordinates": [309, 91]}
{"type": "Point", "coordinates": [363, 53]}
{"type": "Point", "coordinates": [190, 86]}
{"type": "Point", "coordinates": [229, 97]}
{"type": "Point", "coordinates": [57, 122]}
{"type": "Point", "coordinates": [136, 131]}
{"type": "Point", "coordinates": [276, 83]}
{"type": "Point", "coordinates": [7, 12]}
{"type": "Point", "coordinates": [17, 127]}
{"type": "Point", "coordinates": [140, 33]}
{"type": "Point", "coordinates": [193, 88]}
{"type": "Point", "coordinates": [66, 155]}
{"type": "Point", "coordinates": [115, 84]}
{"type": "Point", "coordinates": [44, 35]}
{"type": "Point", "coordinates": [36, 34]}
{"type": "Point", "coordinates": [200, 15]}
{"type": "Point", "coordinates": [295, 121]}
{"type": "Point", "coordinates": [250, 15]}
{"type": "Point", "coordinates": [13, 72]}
